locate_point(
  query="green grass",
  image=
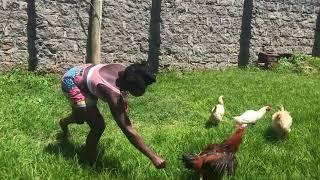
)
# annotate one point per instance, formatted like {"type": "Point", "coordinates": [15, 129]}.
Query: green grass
{"type": "Point", "coordinates": [171, 118]}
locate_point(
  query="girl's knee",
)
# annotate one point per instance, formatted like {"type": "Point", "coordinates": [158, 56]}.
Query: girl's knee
{"type": "Point", "coordinates": [100, 127]}
{"type": "Point", "coordinates": [97, 124]}
{"type": "Point", "coordinates": [79, 116]}
{"type": "Point", "coordinates": [98, 131]}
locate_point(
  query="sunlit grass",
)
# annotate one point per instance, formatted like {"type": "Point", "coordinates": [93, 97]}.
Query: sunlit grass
{"type": "Point", "coordinates": [171, 118]}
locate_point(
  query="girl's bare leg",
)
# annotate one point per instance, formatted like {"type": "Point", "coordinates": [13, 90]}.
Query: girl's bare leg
{"type": "Point", "coordinates": [64, 125]}
{"type": "Point", "coordinates": [77, 116]}
{"type": "Point", "coordinates": [97, 126]}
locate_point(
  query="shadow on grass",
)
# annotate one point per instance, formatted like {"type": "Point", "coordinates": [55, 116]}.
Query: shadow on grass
{"type": "Point", "coordinates": [193, 176]}
{"type": "Point", "coordinates": [226, 121]}
{"type": "Point", "coordinates": [272, 136]}
{"type": "Point", "coordinates": [69, 151]}
{"type": "Point", "coordinates": [62, 147]}
{"type": "Point", "coordinates": [209, 124]}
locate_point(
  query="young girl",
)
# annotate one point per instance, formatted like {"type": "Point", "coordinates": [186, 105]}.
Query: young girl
{"type": "Point", "coordinates": [85, 84]}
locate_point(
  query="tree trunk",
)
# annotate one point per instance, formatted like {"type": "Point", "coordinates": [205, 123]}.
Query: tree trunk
{"type": "Point", "coordinates": [316, 43]}
{"type": "Point", "coordinates": [154, 37]}
{"type": "Point", "coordinates": [94, 40]}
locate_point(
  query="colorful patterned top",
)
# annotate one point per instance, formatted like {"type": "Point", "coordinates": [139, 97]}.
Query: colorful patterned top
{"type": "Point", "coordinates": [83, 92]}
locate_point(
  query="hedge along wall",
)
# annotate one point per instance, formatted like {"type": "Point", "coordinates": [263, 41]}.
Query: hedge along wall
{"type": "Point", "coordinates": [51, 35]}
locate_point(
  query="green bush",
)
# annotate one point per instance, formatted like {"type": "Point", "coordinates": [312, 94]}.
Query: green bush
{"type": "Point", "coordinates": [299, 63]}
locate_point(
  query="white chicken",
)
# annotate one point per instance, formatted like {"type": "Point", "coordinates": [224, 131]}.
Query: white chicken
{"type": "Point", "coordinates": [281, 121]}
{"type": "Point", "coordinates": [217, 111]}
{"type": "Point", "coordinates": [252, 116]}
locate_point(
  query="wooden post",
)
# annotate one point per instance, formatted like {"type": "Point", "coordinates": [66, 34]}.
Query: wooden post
{"type": "Point", "coordinates": [95, 32]}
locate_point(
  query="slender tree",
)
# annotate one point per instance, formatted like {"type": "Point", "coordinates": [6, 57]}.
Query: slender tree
{"type": "Point", "coordinates": [94, 39]}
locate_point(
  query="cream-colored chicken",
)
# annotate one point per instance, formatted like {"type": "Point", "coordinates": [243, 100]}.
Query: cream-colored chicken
{"type": "Point", "coordinates": [217, 111]}
{"type": "Point", "coordinates": [281, 121]}
{"type": "Point", "coordinates": [252, 116]}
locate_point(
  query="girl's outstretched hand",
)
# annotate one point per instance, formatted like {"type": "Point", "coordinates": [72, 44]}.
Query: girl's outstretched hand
{"type": "Point", "coordinates": [159, 163]}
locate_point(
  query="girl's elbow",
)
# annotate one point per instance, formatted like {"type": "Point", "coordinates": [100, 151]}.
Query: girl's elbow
{"type": "Point", "coordinates": [130, 131]}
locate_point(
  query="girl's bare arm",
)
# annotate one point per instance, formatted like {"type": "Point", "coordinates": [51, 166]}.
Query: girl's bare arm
{"type": "Point", "coordinates": [117, 107]}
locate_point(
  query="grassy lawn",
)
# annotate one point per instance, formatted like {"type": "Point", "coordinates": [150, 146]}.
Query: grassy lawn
{"type": "Point", "coordinates": [171, 118]}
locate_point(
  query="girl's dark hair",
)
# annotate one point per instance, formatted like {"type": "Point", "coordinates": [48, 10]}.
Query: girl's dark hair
{"type": "Point", "coordinates": [139, 71]}
{"type": "Point", "coordinates": [137, 77]}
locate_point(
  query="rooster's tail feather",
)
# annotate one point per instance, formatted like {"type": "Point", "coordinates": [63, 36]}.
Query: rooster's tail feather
{"type": "Point", "coordinates": [187, 160]}
{"type": "Point", "coordinates": [192, 162]}
{"type": "Point", "coordinates": [226, 163]}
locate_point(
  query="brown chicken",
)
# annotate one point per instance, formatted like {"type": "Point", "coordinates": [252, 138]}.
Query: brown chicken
{"type": "Point", "coordinates": [216, 159]}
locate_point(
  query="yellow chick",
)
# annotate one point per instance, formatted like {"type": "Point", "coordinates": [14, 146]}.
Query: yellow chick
{"type": "Point", "coordinates": [281, 121]}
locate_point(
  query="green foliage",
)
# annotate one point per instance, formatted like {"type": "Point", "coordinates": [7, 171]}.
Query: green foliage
{"type": "Point", "coordinates": [299, 63]}
{"type": "Point", "coordinates": [171, 117]}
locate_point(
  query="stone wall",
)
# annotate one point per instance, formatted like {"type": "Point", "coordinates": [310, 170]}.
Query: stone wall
{"type": "Point", "coordinates": [51, 35]}
{"type": "Point", "coordinates": [13, 34]}
{"type": "Point", "coordinates": [287, 26]}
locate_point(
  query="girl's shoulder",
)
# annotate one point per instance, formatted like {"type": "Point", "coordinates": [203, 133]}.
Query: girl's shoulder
{"type": "Point", "coordinates": [110, 70]}
{"type": "Point", "coordinates": [112, 67]}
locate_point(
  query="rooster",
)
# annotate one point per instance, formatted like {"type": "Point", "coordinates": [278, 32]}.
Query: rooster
{"type": "Point", "coordinates": [216, 159]}
{"type": "Point", "coordinates": [281, 121]}
{"type": "Point", "coordinates": [217, 111]}
{"type": "Point", "coordinates": [252, 116]}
